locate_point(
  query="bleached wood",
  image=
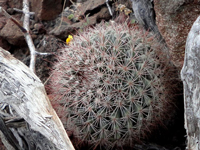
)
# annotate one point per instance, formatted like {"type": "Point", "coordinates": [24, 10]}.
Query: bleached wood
{"type": "Point", "coordinates": [190, 75]}
{"type": "Point", "coordinates": [4, 141]}
{"type": "Point", "coordinates": [27, 35]}
{"type": "Point", "coordinates": [23, 90]}
{"type": "Point", "coordinates": [110, 11]}
{"type": "Point", "coordinates": [25, 29]}
{"type": "Point", "coordinates": [21, 11]}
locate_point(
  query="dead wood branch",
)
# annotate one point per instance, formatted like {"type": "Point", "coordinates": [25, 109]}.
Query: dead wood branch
{"type": "Point", "coordinates": [24, 92]}
{"type": "Point", "coordinates": [27, 35]}
{"type": "Point", "coordinates": [25, 29]}
{"type": "Point", "coordinates": [21, 11]}
{"type": "Point", "coordinates": [190, 75]}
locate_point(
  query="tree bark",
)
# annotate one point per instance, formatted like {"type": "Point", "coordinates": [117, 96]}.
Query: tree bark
{"type": "Point", "coordinates": [190, 75]}
{"type": "Point", "coordinates": [21, 89]}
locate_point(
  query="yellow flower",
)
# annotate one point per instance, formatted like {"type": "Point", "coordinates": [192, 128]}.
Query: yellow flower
{"type": "Point", "coordinates": [70, 38]}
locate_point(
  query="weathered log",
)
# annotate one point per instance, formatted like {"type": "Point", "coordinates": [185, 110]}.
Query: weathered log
{"type": "Point", "coordinates": [190, 75]}
{"type": "Point", "coordinates": [145, 15]}
{"type": "Point", "coordinates": [22, 90]}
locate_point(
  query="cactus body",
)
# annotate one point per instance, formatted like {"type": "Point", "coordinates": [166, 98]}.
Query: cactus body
{"type": "Point", "coordinates": [112, 85]}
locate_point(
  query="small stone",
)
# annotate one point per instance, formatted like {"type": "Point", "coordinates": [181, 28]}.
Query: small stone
{"type": "Point", "coordinates": [46, 9]}
{"type": "Point", "coordinates": [39, 28]}
{"type": "Point", "coordinates": [12, 34]}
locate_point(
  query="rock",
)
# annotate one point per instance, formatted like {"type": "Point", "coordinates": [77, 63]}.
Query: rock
{"type": "Point", "coordinates": [174, 20]}
{"type": "Point", "coordinates": [85, 14]}
{"type": "Point", "coordinates": [12, 34]}
{"type": "Point", "coordinates": [69, 3]}
{"type": "Point", "coordinates": [15, 4]}
{"type": "Point", "coordinates": [2, 22]}
{"type": "Point", "coordinates": [39, 28]}
{"type": "Point", "coordinates": [4, 44]}
{"type": "Point", "coordinates": [46, 9]}
{"type": "Point", "coordinates": [9, 31]}
{"type": "Point", "coordinates": [89, 6]}
{"type": "Point", "coordinates": [3, 4]}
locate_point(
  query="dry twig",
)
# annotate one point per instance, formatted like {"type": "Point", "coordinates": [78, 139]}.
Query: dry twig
{"type": "Point", "coordinates": [25, 29]}
{"type": "Point", "coordinates": [27, 34]}
{"type": "Point", "coordinates": [110, 11]}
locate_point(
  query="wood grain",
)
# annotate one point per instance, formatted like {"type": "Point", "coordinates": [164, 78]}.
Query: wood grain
{"type": "Point", "coordinates": [190, 75]}
{"type": "Point", "coordinates": [25, 93]}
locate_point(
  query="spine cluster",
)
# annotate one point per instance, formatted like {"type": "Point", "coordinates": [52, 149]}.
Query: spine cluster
{"type": "Point", "coordinates": [112, 84]}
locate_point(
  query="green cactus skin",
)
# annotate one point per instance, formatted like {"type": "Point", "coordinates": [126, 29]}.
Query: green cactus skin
{"type": "Point", "coordinates": [112, 85]}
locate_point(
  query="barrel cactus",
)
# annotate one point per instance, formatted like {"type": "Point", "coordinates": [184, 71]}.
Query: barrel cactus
{"type": "Point", "coordinates": [111, 85]}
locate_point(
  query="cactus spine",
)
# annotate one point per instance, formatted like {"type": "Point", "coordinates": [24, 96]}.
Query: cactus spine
{"type": "Point", "coordinates": [112, 84]}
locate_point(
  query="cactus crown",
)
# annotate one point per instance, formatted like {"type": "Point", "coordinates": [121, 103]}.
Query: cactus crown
{"type": "Point", "coordinates": [111, 83]}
